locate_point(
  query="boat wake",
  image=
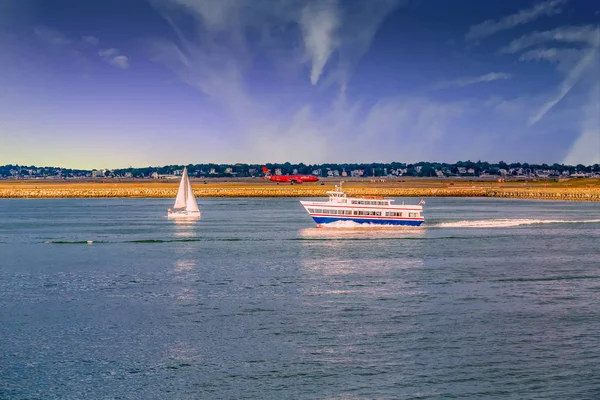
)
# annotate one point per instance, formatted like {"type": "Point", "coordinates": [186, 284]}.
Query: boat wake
{"type": "Point", "coordinates": [504, 223]}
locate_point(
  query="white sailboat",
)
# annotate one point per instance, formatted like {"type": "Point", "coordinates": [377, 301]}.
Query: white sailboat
{"type": "Point", "coordinates": [185, 206]}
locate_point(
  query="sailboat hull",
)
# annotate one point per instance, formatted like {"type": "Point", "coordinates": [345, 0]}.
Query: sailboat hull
{"type": "Point", "coordinates": [184, 215]}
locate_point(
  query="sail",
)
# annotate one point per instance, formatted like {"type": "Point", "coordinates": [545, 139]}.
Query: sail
{"type": "Point", "coordinates": [180, 201]}
{"type": "Point", "coordinates": [191, 205]}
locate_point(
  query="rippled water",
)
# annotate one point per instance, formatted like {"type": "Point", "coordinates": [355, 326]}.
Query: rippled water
{"type": "Point", "coordinates": [488, 298]}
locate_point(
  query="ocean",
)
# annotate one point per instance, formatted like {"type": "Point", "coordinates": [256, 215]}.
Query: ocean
{"type": "Point", "coordinates": [107, 299]}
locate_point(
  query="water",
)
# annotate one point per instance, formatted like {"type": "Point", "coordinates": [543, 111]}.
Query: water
{"type": "Point", "coordinates": [489, 298]}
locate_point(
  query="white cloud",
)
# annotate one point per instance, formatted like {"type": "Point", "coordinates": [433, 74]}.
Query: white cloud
{"type": "Point", "coordinates": [91, 40]}
{"type": "Point", "coordinates": [564, 58]}
{"type": "Point", "coordinates": [120, 62]}
{"type": "Point", "coordinates": [587, 34]}
{"type": "Point", "coordinates": [490, 27]}
{"type": "Point", "coordinates": [567, 84]}
{"type": "Point", "coordinates": [306, 32]}
{"type": "Point", "coordinates": [51, 36]}
{"type": "Point", "coordinates": [462, 82]}
{"type": "Point", "coordinates": [320, 22]}
{"type": "Point", "coordinates": [586, 149]}
{"type": "Point", "coordinates": [394, 128]}
{"type": "Point", "coordinates": [575, 63]}
{"type": "Point", "coordinates": [114, 58]}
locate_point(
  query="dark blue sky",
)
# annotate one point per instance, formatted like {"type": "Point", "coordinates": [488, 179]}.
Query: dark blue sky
{"type": "Point", "coordinates": [115, 83]}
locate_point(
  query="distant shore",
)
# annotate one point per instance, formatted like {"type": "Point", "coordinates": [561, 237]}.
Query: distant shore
{"type": "Point", "coordinates": [573, 189]}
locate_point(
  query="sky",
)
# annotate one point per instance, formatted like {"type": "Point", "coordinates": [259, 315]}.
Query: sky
{"type": "Point", "coordinates": [118, 83]}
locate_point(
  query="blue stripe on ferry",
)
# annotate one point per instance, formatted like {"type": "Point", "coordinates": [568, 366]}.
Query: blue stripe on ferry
{"type": "Point", "coordinates": [326, 220]}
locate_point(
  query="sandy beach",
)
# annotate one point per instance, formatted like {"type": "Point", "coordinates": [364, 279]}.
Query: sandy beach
{"type": "Point", "coordinates": [573, 189]}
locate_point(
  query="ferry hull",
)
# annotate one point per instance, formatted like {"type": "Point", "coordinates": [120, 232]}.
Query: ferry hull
{"type": "Point", "coordinates": [375, 221]}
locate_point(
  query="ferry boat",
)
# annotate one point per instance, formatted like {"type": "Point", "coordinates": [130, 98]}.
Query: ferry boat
{"type": "Point", "coordinates": [363, 210]}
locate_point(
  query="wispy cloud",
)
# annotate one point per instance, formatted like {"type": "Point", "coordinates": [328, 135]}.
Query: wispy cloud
{"type": "Point", "coordinates": [320, 27]}
{"type": "Point", "coordinates": [574, 61]}
{"type": "Point", "coordinates": [573, 77]}
{"type": "Point", "coordinates": [91, 40]}
{"type": "Point", "coordinates": [579, 64]}
{"type": "Point", "coordinates": [490, 27]}
{"type": "Point", "coordinates": [114, 58]}
{"type": "Point", "coordinates": [51, 36]}
{"type": "Point", "coordinates": [589, 34]}
{"type": "Point", "coordinates": [320, 22]}
{"type": "Point", "coordinates": [586, 149]}
{"type": "Point", "coordinates": [467, 81]}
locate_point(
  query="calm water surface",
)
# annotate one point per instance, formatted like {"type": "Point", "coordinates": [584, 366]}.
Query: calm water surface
{"type": "Point", "coordinates": [489, 298]}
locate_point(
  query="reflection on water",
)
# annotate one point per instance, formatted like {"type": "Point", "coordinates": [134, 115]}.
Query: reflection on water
{"type": "Point", "coordinates": [184, 229]}
{"type": "Point", "coordinates": [184, 265]}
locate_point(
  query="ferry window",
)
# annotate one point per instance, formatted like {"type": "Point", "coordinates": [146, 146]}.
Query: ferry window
{"type": "Point", "coordinates": [412, 214]}
{"type": "Point", "coordinates": [378, 213]}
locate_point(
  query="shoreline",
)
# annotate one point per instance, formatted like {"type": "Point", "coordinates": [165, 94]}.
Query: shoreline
{"type": "Point", "coordinates": [574, 191]}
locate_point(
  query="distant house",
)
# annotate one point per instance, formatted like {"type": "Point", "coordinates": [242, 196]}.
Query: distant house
{"type": "Point", "coordinates": [471, 171]}
{"type": "Point", "coordinates": [228, 170]}
{"type": "Point", "coordinates": [127, 175]}
{"type": "Point", "coordinates": [462, 170]}
{"type": "Point", "coordinates": [277, 171]}
{"type": "Point", "coordinates": [154, 175]}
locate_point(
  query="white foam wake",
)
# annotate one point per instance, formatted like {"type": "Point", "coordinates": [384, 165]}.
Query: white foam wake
{"type": "Point", "coordinates": [502, 223]}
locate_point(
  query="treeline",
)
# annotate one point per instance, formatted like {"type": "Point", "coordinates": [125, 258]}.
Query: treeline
{"type": "Point", "coordinates": [420, 169]}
